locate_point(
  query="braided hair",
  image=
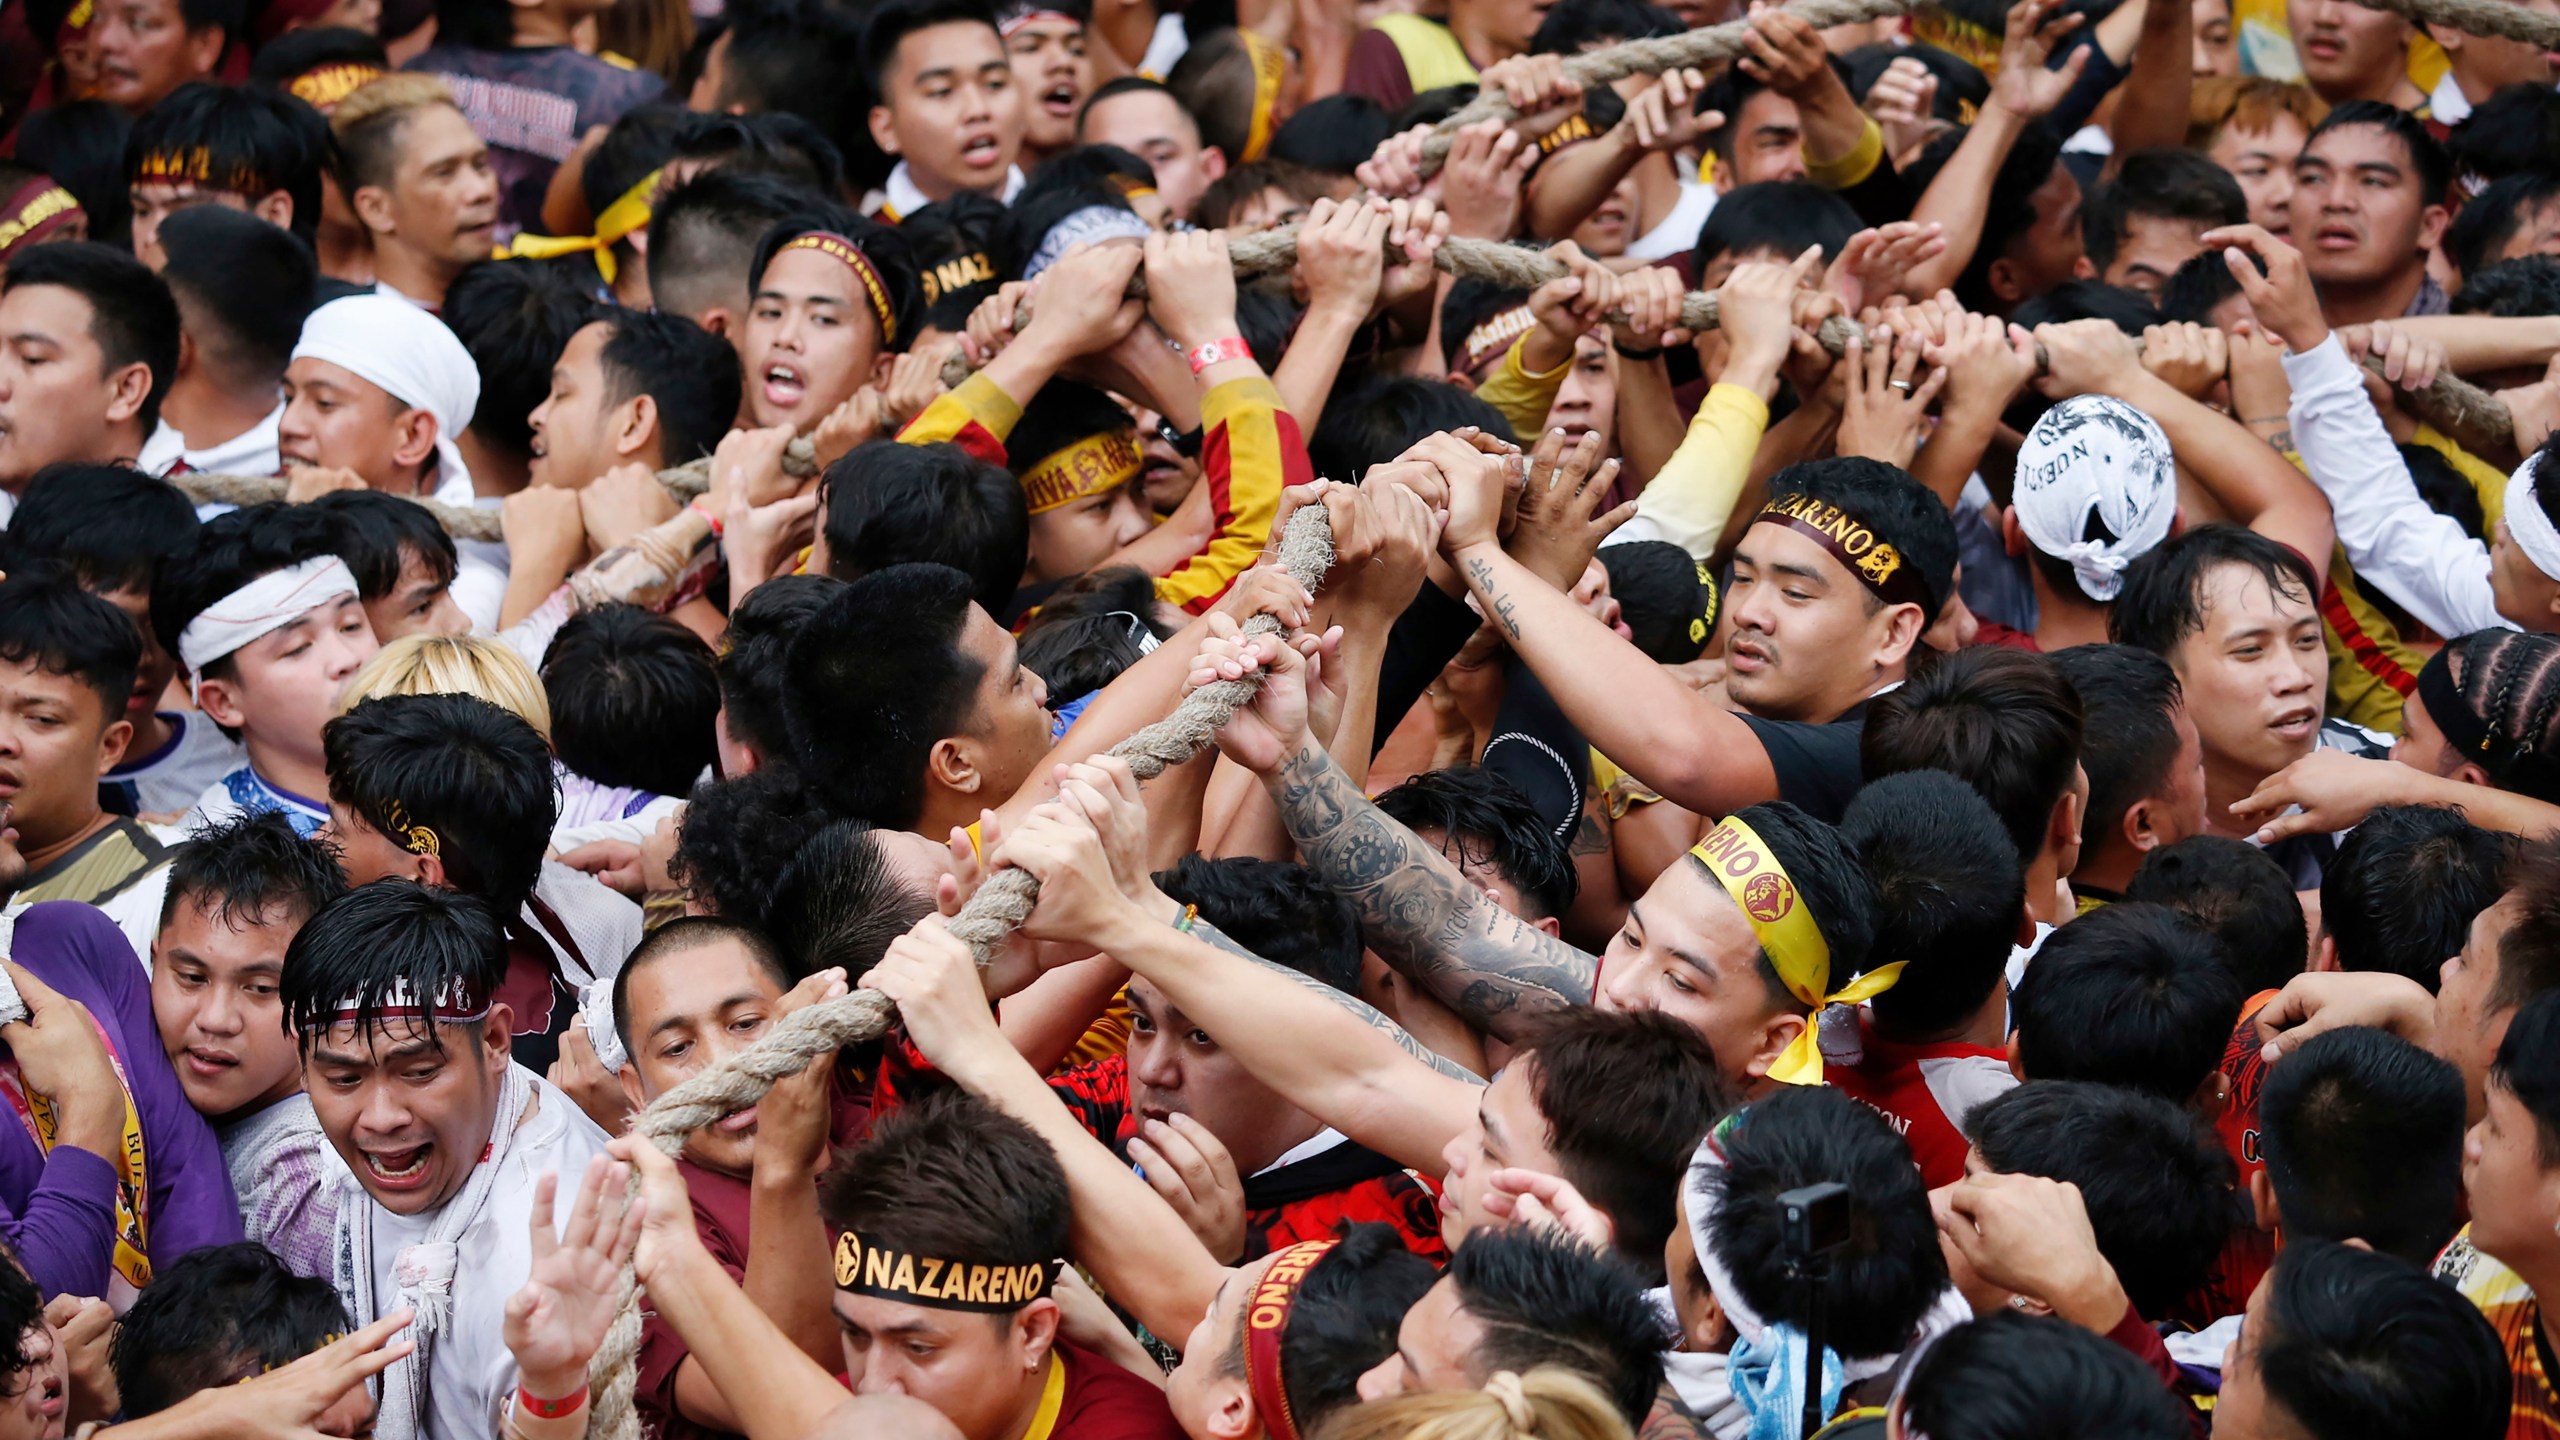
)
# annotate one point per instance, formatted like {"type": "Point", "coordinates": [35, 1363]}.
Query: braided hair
{"type": "Point", "coordinates": [2510, 682]}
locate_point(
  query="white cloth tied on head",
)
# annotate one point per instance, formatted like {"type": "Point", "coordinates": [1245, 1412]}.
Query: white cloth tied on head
{"type": "Point", "coordinates": [595, 1007]}
{"type": "Point", "coordinates": [412, 355]}
{"type": "Point", "coordinates": [1089, 226]}
{"type": "Point", "coordinates": [2529, 524]}
{"type": "Point", "coordinates": [266, 604]}
{"type": "Point", "coordinates": [2093, 458]}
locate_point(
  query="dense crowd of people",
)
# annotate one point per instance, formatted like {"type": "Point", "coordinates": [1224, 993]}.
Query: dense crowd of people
{"type": "Point", "coordinates": [1995, 879]}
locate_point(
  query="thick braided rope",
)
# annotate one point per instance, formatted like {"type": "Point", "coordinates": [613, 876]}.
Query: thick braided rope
{"type": "Point", "coordinates": [1001, 904]}
{"type": "Point", "coordinates": [466, 522]}
{"type": "Point", "coordinates": [2479, 17]}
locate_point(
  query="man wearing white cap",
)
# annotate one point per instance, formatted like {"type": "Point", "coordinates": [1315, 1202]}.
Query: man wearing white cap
{"type": "Point", "coordinates": [2096, 488]}
{"type": "Point", "coordinates": [379, 389]}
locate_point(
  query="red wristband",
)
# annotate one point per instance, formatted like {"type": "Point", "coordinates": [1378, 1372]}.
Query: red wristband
{"type": "Point", "coordinates": [1218, 352]}
{"type": "Point", "coordinates": [717, 524]}
{"type": "Point", "coordinates": [542, 1409]}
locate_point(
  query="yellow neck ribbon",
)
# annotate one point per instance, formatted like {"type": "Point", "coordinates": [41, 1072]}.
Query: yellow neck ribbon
{"type": "Point", "coordinates": [1749, 871]}
{"type": "Point", "coordinates": [620, 219]}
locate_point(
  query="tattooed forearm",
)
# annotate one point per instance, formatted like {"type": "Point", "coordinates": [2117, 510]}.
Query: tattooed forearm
{"type": "Point", "coordinates": [1367, 1014]}
{"type": "Point", "coordinates": [1419, 912]}
{"type": "Point", "coordinates": [1481, 570]}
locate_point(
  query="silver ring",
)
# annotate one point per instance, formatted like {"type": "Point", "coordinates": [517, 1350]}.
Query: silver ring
{"type": "Point", "coordinates": [1902, 385]}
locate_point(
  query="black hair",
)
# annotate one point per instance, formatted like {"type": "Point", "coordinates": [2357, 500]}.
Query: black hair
{"type": "Point", "coordinates": [214, 1317]}
{"type": "Point", "coordinates": [691, 373]}
{"type": "Point", "coordinates": [2130, 311]}
{"type": "Point", "coordinates": [1379, 419]}
{"type": "Point", "coordinates": [243, 288]}
{"type": "Point", "coordinates": [2515, 129]}
{"type": "Point", "coordinates": [2351, 1344]}
{"type": "Point", "coordinates": [296, 53]}
{"type": "Point", "coordinates": [2161, 184]}
{"type": "Point", "coordinates": [2162, 602]}
{"type": "Point", "coordinates": [250, 867]}
{"type": "Point", "coordinates": [633, 696]}
{"type": "Point", "coordinates": [1891, 1271]}
{"type": "Point", "coordinates": [893, 21]}
{"type": "Point", "coordinates": [2362, 1136]}
{"type": "Point", "coordinates": [1050, 198]}
{"type": "Point", "coordinates": [889, 504]}
{"type": "Point", "coordinates": [230, 551]}
{"type": "Point", "coordinates": [1277, 909]}
{"type": "Point", "coordinates": [515, 317]}
{"type": "Point", "coordinates": [634, 147]}
{"type": "Point", "coordinates": [2004, 721]}
{"type": "Point", "coordinates": [1344, 1321]}
{"type": "Point", "coordinates": [954, 241]}
{"type": "Point", "coordinates": [1665, 595]}
{"type": "Point", "coordinates": [1333, 134]}
{"type": "Point", "coordinates": [2156, 1180]}
{"type": "Point", "coordinates": [682, 935]}
{"type": "Point", "coordinates": [1063, 414]}
{"type": "Point", "coordinates": [2196, 287]}
{"type": "Point", "coordinates": [1484, 819]}
{"type": "Point", "coordinates": [777, 143]}
{"type": "Point", "coordinates": [1962, 87]}
{"type": "Point", "coordinates": [2488, 221]}
{"type": "Point", "coordinates": [1541, 1299]}
{"type": "Point", "coordinates": [2129, 736]}
{"type": "Point", "coordinates": [804, 58]}
{"type": "Point", "coordinates": [839, 901]}
{"type": "Point", "coordinates": [1085, 635]}
{"type": "Point", "coordinates": [474, 24]}
{"type": "Point", "coordinates": [2446, 491]}
{"type": "Point", "coordinates": [2528, 1067]}
{"type": "Point", "coordinates": [1781, 216]}
{"type": "Point", "coordinates": [132, 316]}
{"type": "Point", "coordinates": [1728, 93]}
{"type": "Point", "coordinates": [1214, 83]}
{"type": "Point", "coordinates": [2529, 953]}
{"type": "Point", "coordinates": [49, 622]}
{"type": "Point", "coordinates": [2509, 683]}
{"type": "Point", "coordinates": [2527, 285]}
{"type": "Point", "coordinates": [242, 139]}
{"type": "Point", "coordinates": [2129, 994]}
{"type": "Point", "coordinates": [2009, 1376]}
{"type": "Point", "coordinates": [477, 775]}
{"type": "Point", "coordinates": [1571, 29]}
{"type": "Point", "coordinates": [753, 670]}
{"type": "Point", "coordinates": [2401, 893]}
{"type": "Point", "coordinates": [883, 245]}
{"type": "Point", "coordinates": [2427, 155]}
{"type": "Point", "coordinates": [1470, 303]}
{"type": "Point", "coordinates": [875, 679]}
{"type": "Point", "coordinates": [737, 835]}
{"type": "Point", "coordinates": [1625, 1097]}
{"type": "Point", "coordinates": [381, 942]}
{"type": "Point", "coordinates": [1884, 498]}
{"type": "Point", "coordinates": [81, 145]}
{"type": "Point", "coordinates": [376, 531]}
{"type": "Point", "coordinates": [1950, 889]}
{"type": "Point", "coordinates": [2011, 210]}
{"type": "Point", "coordinates": [950, 1175]}
{"type": "Point", "coordinates": [2236, 893]}
{"type": "Point", "coordinates": [112, 526]}
{"type": "Point", "coordinates": [1835, 890]}
{"type": "Point", "coordinates": [703, 234]}
{"type": "Point", "coordinates": [21, 1311]}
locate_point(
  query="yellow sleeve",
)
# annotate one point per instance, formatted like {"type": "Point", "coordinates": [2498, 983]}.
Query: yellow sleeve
{"type": "Point", "coordinates": [1689, 501]}
{"type": "Point", "coordinates": [977, 416]}
{"type": "Point", "coordinates": [1251, 450]}
{"type": "Point", "coordinates": [1849, 169]}
{"type": "Point", "coordinates": [2487, 480]}
{"type": "Point", "coordinates": [1523, 398]}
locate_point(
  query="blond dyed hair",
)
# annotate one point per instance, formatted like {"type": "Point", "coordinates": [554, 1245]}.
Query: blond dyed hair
{"type": "Point", "coordinates": [2249, 103]}
{"type": "Point", "coordinates": [1549, 1403]}
{"type": "Point", "coordinates": [476, 665]}
{"type": "Point", "coordinates": [368, 122]}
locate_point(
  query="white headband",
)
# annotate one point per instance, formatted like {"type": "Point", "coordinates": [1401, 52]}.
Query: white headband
{"type": "Point", "coordinates": [2095, 456]}
{"type": "Point", "coordinates": [1089, 226]}
{"type": "Point", "coordinates": [595, 1006]}
{"type": "Point", "coordinates": [2527, 522]}
{"type": "Point", "coordinates": [264, 605]}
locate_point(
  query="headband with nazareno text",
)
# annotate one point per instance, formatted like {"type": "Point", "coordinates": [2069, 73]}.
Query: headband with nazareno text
{"type": "Point", "coordinates": [456, 1002]}
{"type": "Point", "coordinates": [1270, 72]}
{"type": "Point", "coordinates": [1088, 467]}
{"type": "Point", "coordinates": [957, 273]}
{"type": "Point", "coordinates": [837, 247]}
{"type": "Point", "coordinates": [322, 88]}
{"type": "Point", "coordinates": [194, 166]}
{"type": "Point", "coordinates": [1880, 567]}
{"type": "Point", "coordinates": [35, 212]}
{"type": "Point", "coordinates": [1266, 1321]}
{"type": "Point", "coordinates": [887, 1274]}
{"type": "Point", "coordinates": [1749, 871]}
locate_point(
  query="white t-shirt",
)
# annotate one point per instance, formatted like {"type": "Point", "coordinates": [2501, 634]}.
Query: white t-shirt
{"type": "Point", "coordinates": [189, 762]}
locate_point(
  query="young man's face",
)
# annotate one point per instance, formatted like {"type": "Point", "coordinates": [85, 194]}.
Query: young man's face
{"type": "Point", "coordinates": [144, 50]}
{"type": "Point", "coordinates": [2255, 675]}
{"type": "Point", "coordinates": [1768, 143]}
{"type": "Point", "coordinates": [1687, 951]}
{"type": "Point", "coordinates": [2524, 594]}
{"type": "Point", "coordinates": [33, 1400]}
{"type": "Point", "coordinates": [2177, 807]}
{"type": "Point", "coordinates": [2359, 212]}
{"type": "Point", "coordinates": [283, 687]}
{"type": "Point", "coordinates": [59, 399]}
{"type": "Point", "coordinates": [974, 1368]}
{"type": "Point", "coordinates": [1606, 232]}
{"type": "Point", "coordinates": [2152, 249]}
{"type": "Point", "coordinates": [1053, 73]}
{"type": "Point", "coordinates": [811, 340]}
{"type": "Point", "coordinates": [1509, 1133]}
{"type": "Point", "coordinates": [57, 736]}
{"type": "Point", "coordinates": [420, 603]}
{"type": "Point", "coordinates": [335, 417]}
{"type": "Point", "coordinates": [213, 996]}
{"type": "Point", "coordinates": [951, 109]}
{"type": "Point", "coordinates": [1176, 1069]}
{"type": "Point", "coordinates": [1588, 401]}
{"type": "Point", "coordinates": [1200, 1386]}
{"type": "Point", "coordinates": [688, 1012]}
{"type": "Point", "coordinates": [408, 1105]}
{"type": "Point", "coordinates": [2217, 50]}
{"type": "Point", "coordinates": [1085, 532]}
{"type": "Point", "coordinates": [1807, 636]}
{"type": "Point", "coordinates": [442, 203]}
{"type": "Point", "coordinates": [153, 203]}
{"type": "Point", "coordinates": [2537, 233]}
{"type": "Point", "coordinates": [2262, 161]}
{"type": "Point", "coordinates": [2513, 1194]}
{"type": "Point", "coordinates": [573, 427]}
{"type": "Point", "coordinates": [150, 678]}
{"type": "Point", "coordinates": [2348, 52]}
{"type": "Point", "coordinates": [1009, 717]}
{"type": "Point", "coordinates": [2470, 1021]}
{"type": "Point", "coordinates": [2051, 250]}
{"type": "Point", "coordinates": [1435, 1348]}
{"type": "Point", "coordinates": [1153, 126]}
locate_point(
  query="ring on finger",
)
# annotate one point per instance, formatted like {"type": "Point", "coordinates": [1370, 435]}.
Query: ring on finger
{"type": "Point", "coordinates": [1902, 385]}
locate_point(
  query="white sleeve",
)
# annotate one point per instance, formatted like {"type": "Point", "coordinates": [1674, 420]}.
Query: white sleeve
{"type": "Point", "coordinates": [2396, 542]}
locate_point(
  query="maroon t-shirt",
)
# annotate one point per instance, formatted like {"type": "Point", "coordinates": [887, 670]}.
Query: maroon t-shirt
{"type": "Point", "coordinates": [1106, 1402]}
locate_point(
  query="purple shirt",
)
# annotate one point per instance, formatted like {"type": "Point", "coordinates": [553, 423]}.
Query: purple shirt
{"type": "Point", "coordinates": [57, 1213]}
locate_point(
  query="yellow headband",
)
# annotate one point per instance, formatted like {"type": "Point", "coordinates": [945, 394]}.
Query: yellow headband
{"type": "Point", "coordinates": [323, 88]}
{"type": "Point", "coordinates": [957, 273]}
{"type": "Point", "coordinates": [1749, 871]}
{"type": "Point", "coordinates": [195, 167]}
{"type": "Point", "coordinates": [828, 242]}
{"type": "Point", "coordinates": [1270, 70]}
{"type": "Point", "coordinates": [621, 218]}
{"type": "Point", "coordinates": [1088, 467]}
{"type": "Point", "coordinates": [891, 1274]}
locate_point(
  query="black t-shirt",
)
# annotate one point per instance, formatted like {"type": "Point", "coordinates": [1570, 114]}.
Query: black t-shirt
{"type": "Point", "coordinates": [1817, 765]}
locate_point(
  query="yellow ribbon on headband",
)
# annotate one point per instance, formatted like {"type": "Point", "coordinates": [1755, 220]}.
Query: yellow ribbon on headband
{"type": "Point", "coordinates": [621, 218]}
{"type": "Point", "coordinates": [1087, 467]}
{"type": "Point", "coordinates": [1270, 69]}
{"type": "Point", "coordinates": [1749, 871]}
